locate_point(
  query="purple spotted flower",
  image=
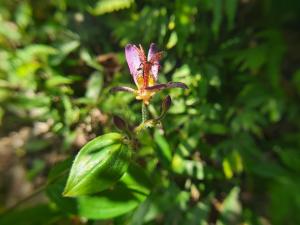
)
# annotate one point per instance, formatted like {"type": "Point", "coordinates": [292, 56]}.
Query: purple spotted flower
{"type": "Point", "coordinates": [144, 71]}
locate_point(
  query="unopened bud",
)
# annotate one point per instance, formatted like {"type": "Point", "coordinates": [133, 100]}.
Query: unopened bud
{"type": "Point", "coordinates": [166, 104]}
{"type": "Point", "coordinates": [120, 123]}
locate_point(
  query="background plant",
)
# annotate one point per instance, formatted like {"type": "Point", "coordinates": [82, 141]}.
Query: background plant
{"type": "Point", "coordinates": [226, 153]}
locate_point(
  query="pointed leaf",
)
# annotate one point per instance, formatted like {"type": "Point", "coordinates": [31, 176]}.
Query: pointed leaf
{"type": "Point", "coordinates": [98, 165]}
{"type": "Point", "coordinates": [124, 196]}
{"type": "Point", "coordinates": [164, 150]}
{"type": "Point", "coordinates": [94, 86]}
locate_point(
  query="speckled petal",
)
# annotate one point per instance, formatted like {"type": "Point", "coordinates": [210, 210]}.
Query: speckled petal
{"type": "Point", "coordinates": [154, 70]}
{"type": "Point", "coordinates": [133, 60]}
{"type": "Point", "coordinates": [151, 53]}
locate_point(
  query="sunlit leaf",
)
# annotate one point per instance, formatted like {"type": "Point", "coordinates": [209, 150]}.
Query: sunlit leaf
{"type": "Point", "coordinates": [106, 6]}
{"type": "Point", "coordinates": [231, 207]}
{"type": "Point", "coordinates": [94, 86]}
{"type": "Point", "coordinates": [164, 150]}
{"type": "Point", "coordinates": [124, 196]}
{"type": "Point", "coordinates": [98, 165]}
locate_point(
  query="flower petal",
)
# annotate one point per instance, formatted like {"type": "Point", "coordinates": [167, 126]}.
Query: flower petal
{"type": "Point", "coordinates": [153, 57]}
{"type": "Point", "coordinates": [122, 88]}
{"type": "Point", "coordinates": [133, 60]}
{"type": "Point", "coordinates": [159, 87]}
{"type": "Point", "coordinates": [154, 70]}
{"type": "Point", "coordinates": [152, 51]}
{"type": "Point", "coordinates": [177, 85]}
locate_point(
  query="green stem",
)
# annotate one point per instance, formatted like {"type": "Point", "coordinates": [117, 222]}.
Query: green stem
{"type": "Point", "coordinates": [144, 113]}
{"type": "Point", "coordinates": [144, 119]}
{"type": "Point", "coordinates": [35, 193]}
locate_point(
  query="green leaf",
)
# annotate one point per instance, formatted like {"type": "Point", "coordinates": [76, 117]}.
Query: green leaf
{"type": "Point", "coordinates": [37, 101]}
{"type": "Point", "coordinates": [107, 6]}
{"type": "Point", "coordinates": [227, 168]}
{"type": "Point", "coordinates": [58, 80]}
{"type": "Point", "coordinates": [23, 14]}
{"type": "Point", "coordinates": [36, 50]}
{"type": "Point", "coordinates": [124, 196]}
{"type": "Point", "coordinates": [9, 32]}
{"type": "Point", "coordinates": [94, 86]}
{"type": "Point", "coordinates": [110, 203]}
{"type": "Point", "coordinates": [99, 164]}
{"type": "Point", "coordinates": [217, 17]}
{"type": "Point", "coordinates": [136, 179]}
{"type": "Point", "coordinates": [70, 113]}
{"type": "Point", "coordinates": [230, 10]}
{"type": "Point", "coordinates": [164, 150]}
{"type": "Point", "coordinates": [290, 158]}
{"type": "Point", "coordinates": [90, 60]}
{"type": "Point", "coordinates": [36, 215]}
{"type": "Point", "coordinates": [231, 208]}
{"type": "Point", "coordinates": [64, 50]}
{"type": "Point", "coordinates": [172, 40]}
{"type": "Point", "coordinates": [188, 168]}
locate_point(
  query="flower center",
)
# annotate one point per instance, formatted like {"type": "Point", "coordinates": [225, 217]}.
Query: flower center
{"type": "Point", "coordinates": [142, 93]}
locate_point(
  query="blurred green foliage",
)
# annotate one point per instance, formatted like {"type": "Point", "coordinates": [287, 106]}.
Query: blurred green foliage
{"type": "Point", "coordinates": [228, 150]}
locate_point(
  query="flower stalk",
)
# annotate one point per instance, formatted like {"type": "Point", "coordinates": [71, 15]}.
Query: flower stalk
{"type": "Point", "coordinates": [144, 113]}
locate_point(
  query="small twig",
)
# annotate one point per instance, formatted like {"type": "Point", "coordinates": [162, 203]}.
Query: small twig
{"type": "Point", "coordinates": [34, 193]}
